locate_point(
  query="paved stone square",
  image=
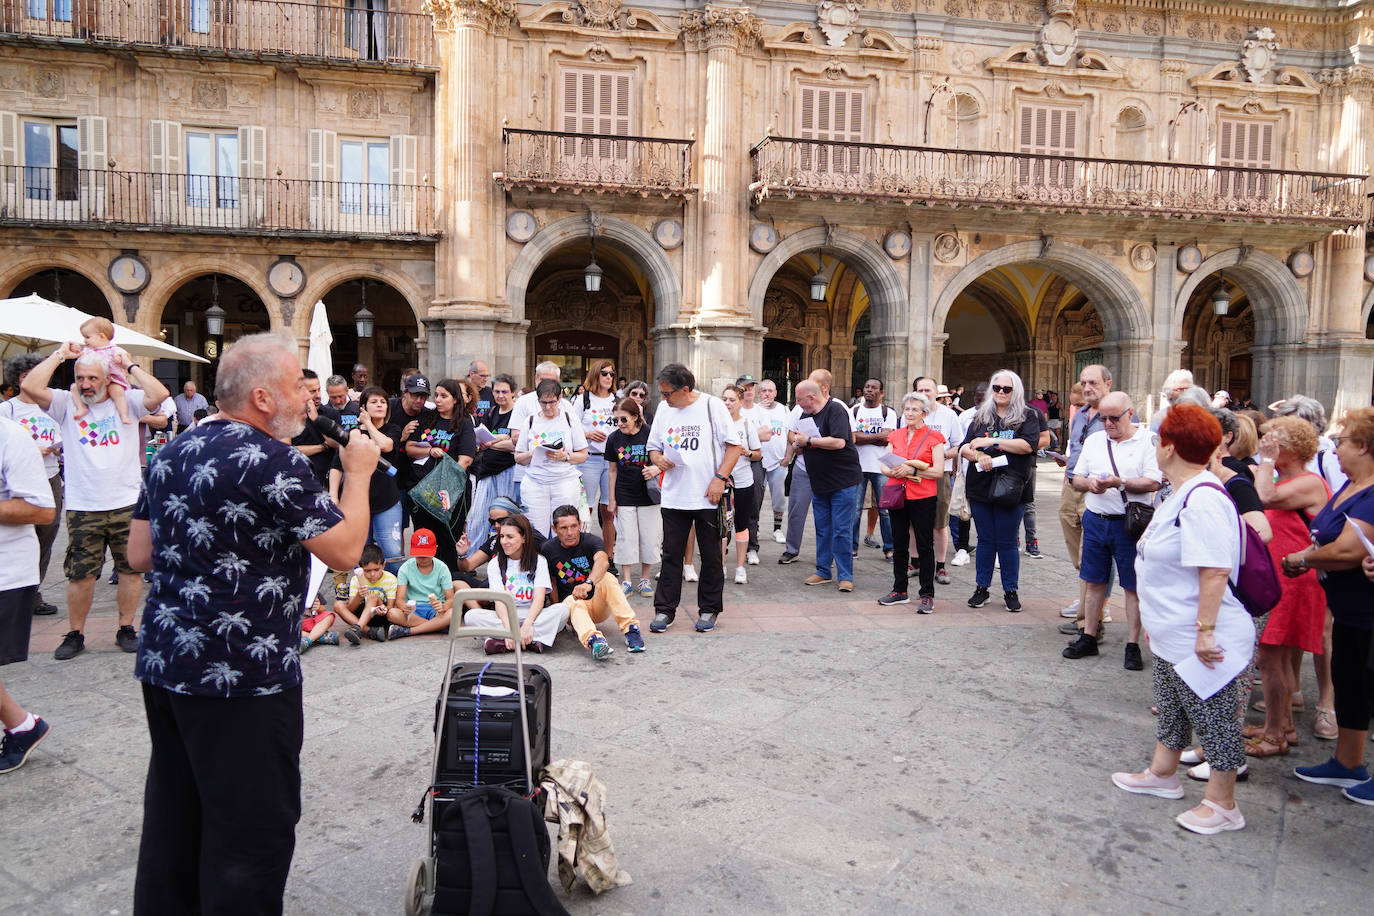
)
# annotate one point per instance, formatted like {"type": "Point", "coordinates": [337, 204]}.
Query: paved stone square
{"type": "Point", "coordinates": [817, 753]}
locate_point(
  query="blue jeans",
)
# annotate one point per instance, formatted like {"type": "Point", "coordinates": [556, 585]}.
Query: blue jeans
{"type": "Point", "coordinates": [833, 515]}
{"type": "Point", "coordinates": [386, 534]}
{"type": "Point", "coordinates": [998, 528]}
{"type": "Point", "coordinates": [875, 480]}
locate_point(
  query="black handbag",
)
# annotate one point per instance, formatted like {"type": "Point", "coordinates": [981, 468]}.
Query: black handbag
{"type": "Point", "coordinates": [1138, 515]}
{"type": "Point", "coordinates": [1008, 488]}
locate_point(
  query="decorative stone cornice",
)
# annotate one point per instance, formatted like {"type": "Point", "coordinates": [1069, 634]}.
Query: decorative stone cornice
{"type": "Point", "coordinates": [492, 15]}
{"type": "Point", "coordinates": [733, 27]}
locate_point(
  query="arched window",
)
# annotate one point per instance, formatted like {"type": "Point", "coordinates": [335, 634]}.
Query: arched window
{"type": "Point", "coordinates": [1132, 134]}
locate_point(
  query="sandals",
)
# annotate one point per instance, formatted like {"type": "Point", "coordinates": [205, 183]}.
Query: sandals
{"type": "Point", "coordinates": [1254, 732]}
{"type": "Point", "coordinates": [1266, 746]}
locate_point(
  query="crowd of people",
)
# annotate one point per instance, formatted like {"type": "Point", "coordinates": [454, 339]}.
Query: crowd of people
{"type": "Point", "coordinates": [568, 500]}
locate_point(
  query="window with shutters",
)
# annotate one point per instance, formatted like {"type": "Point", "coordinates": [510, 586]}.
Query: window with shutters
{"type": "Point", "coordinates": [830, 115]}
{"type": "Point", "coordinates": [51, 160]}
{"type": "Point", "coordinates": [365, 27]}
{"type": "Point", "coordinates": [596, 101]}
{"type": "Point", "coordinates": [52, 10]}
{"type": "Point", "coordinates": [202, 14]}
{"type": "Point", "coordinates": [212, 168]}
{"type": "Point", "coordinates": [1047, 131]}
{"type": "Point", "coordinates": [364, 173]}
{"type": "Point", "coordinates": [1244, 144]}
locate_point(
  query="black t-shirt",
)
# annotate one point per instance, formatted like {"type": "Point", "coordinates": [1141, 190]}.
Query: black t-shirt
{"type": "Point", "coordinates": [382, 491]}
{"type": "Point", "coordinates": [321, 462]}
{"type": "Point", "coordinates": [569, 567]}
{"type": "Point", "coordinates": [979, 482]}
{"type": "Point", "coordinates": [346, 416]}
{"type": "Point", "coordinates": [631, 457]}
{"type": "Point", "coordinates": [454, 436]}
{"type": "Point", "coordinates": [406, 467]}
{"type": "Point", "coordinates": [1243, 493]}
{"type": "Point", "coordinates": [833, 470]}
{"type": "Point", "coordinates": [493, 461]}
{"type": "Point", "coordinates": [486, 402]}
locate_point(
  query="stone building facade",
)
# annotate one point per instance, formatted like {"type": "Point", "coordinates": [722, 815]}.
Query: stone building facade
{"type": "Point", "coordinates": [885, 188]}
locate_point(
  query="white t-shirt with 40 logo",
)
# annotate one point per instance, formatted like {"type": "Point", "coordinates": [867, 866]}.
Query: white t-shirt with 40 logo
{"type": "Point", "coordinates": [687, 431]}
{"type": "Point", "coordinates": [100, 454]}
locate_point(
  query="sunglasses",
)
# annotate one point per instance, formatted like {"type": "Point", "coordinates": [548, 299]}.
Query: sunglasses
{"type": "Point", "coordinates": [1108, 418]}
{"type": "Point", "coordinates": [609, 373]}
{"type": "Point", "coordinates": [639, 394]}
{"type": "Point", "coordinates": [1003, 389]}
{"type": "Point", "coordinates": [621, 421]}
{"type": "Point", "coordinates": [497, 522]}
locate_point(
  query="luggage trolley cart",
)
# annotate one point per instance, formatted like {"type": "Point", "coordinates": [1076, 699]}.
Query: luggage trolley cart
{"type": "Point", "coordinates": [420, 885]}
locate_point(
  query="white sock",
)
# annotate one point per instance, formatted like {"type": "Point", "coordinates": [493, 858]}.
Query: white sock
{"type": "Point", "coordinates": [27, 725]}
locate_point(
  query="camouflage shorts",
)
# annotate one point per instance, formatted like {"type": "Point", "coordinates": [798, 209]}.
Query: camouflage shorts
{"type": "Point", "coordinates": [88, 534]}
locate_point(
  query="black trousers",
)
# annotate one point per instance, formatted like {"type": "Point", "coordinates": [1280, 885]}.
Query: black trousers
{"type": "Point", "coordinates": [917, 516]}
{"type": "Point", "coordinates": [756, 502]}
{"type": "Point", "coordinates": [677, 525]}
{"type": "Point", "coordinates": [221, 803]}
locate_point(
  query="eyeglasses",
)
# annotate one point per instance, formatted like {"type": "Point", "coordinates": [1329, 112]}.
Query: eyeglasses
{"type": "Point", "coordinates": [1003, 389]}
{"type": "Point", "coordinates": [609, 373]}
{"type": "Point", "coordinates": [544, 403]}
{"type": "Point", "coordinates": [500, 521]}
{"type": "Point", "coordinates": [639, 394]}
{"type": "Point", "coordinates": [621, 421]}
{"type": "Point", "coordinates": [1108, 418]}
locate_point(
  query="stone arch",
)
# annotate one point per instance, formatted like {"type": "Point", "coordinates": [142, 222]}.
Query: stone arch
{"type": "Point", "coordinates": [1279, 306]}
{"type": "Point", "coordinates": [1367, 307]}
{"type": "Point", "coordinates": [1118, 302]}
{"type": "Point", "coordinates": [75, 261]}
{"type": "Point", "coordinates": [170, 277]}
{"type": "Point", "coordinates": [887, 296]}
{"type": "Point", "coordinates": [325, 279]}
{"type": "Point", "coordinates": [619, 234]}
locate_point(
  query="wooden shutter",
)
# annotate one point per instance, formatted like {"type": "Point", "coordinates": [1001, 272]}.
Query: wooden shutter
{"type": "Point", "coordinates": [323, 171]}
{"type": "Point", "coordinates": [831, 113]}
{"type": "Point", "coordinates": [93, 160]}
{"type": "Point", "coordinates": [1245, 144]}
{"type": "Point", "coordinates": [164, 161]}
{"type": "Point", "coordinates": [597, 102]}
{"type": "Point", "coordinates": [405, 155]}
{"type": "Point", "coordinates": [253, 154]}
{"type": "Point", "coordinates": [9, 139]}
{"type": "Point", "coordinates": [1047, 130]}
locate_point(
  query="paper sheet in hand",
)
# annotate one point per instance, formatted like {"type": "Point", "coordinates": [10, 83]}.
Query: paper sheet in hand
{"type": "Point", "coordinates": [484, 435]}
{"type": "Point", "coordinates": [1368, 544]}
{"type": "Point", "coordinates": [317, 571]}
{"type": "Point", "coordinates": [1205, 681]}
{"type": "Point", "coordinates": [807, 427]}
{"type": "Point", "coordinates": [891, 459]}
{"type": "Point", "coordinates": [999, 462]}
{"type": "Point", "coordinates": [674, 456]}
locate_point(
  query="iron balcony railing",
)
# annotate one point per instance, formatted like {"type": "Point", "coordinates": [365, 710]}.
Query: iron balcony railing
{"type": "Point", "coordinates": [94, 198]}
{"type": "Point", "coordinates": [1028, 181]}
{"type": "Point", "coordinates": [601, 163]}
{"type": "Point", "coordinates": [341, 30]}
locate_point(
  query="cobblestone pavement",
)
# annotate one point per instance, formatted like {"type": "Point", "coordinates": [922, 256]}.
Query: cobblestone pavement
{"type": "Point", "coordinates": [817, 753]}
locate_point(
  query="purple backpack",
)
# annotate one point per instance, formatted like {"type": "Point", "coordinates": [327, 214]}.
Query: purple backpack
{"type": "Point", "coordinates": [1257, 585]}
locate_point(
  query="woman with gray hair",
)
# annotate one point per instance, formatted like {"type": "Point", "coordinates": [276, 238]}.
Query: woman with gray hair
{"type": "Point", "coordinates": [23, 410]}
{"type": "Point", "coordinates": [921, 449]}
{"type": "Point", "coordinates": [999, 447]}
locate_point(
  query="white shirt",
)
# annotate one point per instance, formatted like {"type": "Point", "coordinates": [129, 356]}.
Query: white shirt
{"type": "Point", "coordinates": [689, 431]}
{"type": "Point", "coordinates": [1135, 457]}
{"type": "Point", "coordinates": [101, 454]}
{"type": "Point", "coordinates": [947, 422]}
{"type": "Point", "coordinates": [597, 417]}
{"type": "Point", "coordinates": [775, 418]}
{"type": "Point", "coordinates": [742, 475]}
{"type": "Point", "coordinates": [526, 406]}
{"type": "Point", "coordinates": [518, 583]}
{"type": "Point", "coordinates": [1166, 567]}
{"type": "Point", "coordinates": [562, 431]}
{"type": "Point", "coordinates": [21, 477]}
{"type": "Point", "coordinates": [39, 425]}
{"type": "Point", "coordinates": [1326, 465]}
{"type": "Point", "coordinates": [871, 420]}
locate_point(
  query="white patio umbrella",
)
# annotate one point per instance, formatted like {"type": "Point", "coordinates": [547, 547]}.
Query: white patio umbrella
{"type": "Point", "coordinates": [319, 358]}
{"type": "Point", "coordinates": [33, 323]}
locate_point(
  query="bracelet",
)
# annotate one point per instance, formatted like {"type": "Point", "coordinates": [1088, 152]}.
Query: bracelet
{"type": "Point", "coordinates": [1204, 627]}
{"type": "Point", "coordinates": [722, 478]}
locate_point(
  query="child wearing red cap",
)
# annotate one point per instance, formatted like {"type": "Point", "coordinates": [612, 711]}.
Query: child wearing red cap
{"type": "Point", "coordinates": [424, 590]}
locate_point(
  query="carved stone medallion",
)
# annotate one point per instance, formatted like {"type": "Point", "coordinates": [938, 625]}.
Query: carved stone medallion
{"type": "Point", "coordinates": [1143, 257]}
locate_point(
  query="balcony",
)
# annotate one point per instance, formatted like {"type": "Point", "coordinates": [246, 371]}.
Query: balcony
{"type": "Point", "coordinates": [1061, 184]}
{"type": "Point", "coordinates": [599, 163]}
{"type": "Point", "coordinates": [237, 28]}
{"type": "Point", "coordinates": [146, 201]}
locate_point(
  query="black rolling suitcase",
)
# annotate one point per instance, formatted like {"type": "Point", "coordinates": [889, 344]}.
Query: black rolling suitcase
{"type": "Point", "coordinates": [480, 743]}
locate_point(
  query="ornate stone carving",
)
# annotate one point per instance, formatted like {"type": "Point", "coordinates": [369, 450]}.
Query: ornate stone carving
{"type": "Point", "coordinates": [780, 311]}
{"type": "Point", "coordinates": [947, 247]}
{"type": "Point", "coordinates": [487, 14]}
{"type": "Point", "coordinates": [362, 104]}
{"type": "Point", "coordinates": [837, 20]}
{"type": "Point", "coordinates": [733, 27]}
{"type": "Point", "coordinates": [1058, 40]}
{"type": "Point", "coordinates": [210, 94]}
{"type": "Point", "coordinates": [1259, 54]}
{"type": "Point", "coordinates": [598, 14]}
{"type": "Point", "coordinates": [1143, 257]}
{"type": "Point", "coordinates": [598, 52]}
{"type": "Point", "coordinates": [48, 84]}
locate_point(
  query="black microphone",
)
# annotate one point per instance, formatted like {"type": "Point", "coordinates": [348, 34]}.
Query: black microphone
{"type": "Point", "coordinates": [335, 433]}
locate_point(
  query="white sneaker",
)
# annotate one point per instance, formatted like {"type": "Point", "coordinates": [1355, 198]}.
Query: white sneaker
{"type": "Point", "coordinates": [740, 577]}
{"type": "Point", "coordinates": [753, 558]}
{"type": "Point", "coordinates": [1070, 612]}
{"type": "Point", "coordinates": [689, 574]}
{"type": "Point", "coordinates": [960, 558]}
{"type": "Point", "coordinates": [779, 536]}
{"type": "Point", "coordinates": [996, 562]}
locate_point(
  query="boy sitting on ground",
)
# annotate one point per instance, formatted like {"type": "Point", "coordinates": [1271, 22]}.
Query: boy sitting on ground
{"type": "Point", "coordinates": [371, 593]}
{"type": "Point", "coordinates": [318, 627]}
{"type": "Point", "coordinates": [424, 590]}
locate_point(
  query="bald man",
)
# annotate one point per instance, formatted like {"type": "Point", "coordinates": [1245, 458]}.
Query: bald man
{"type": "Point", "coordinates": [799, 493]}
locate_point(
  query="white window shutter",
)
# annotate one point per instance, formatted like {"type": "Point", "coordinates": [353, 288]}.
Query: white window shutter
{"type": "Point", "coordinates": [253, 152]}
{"type": "Point", "coordinates": [9, 139]}
{"type": "Point", "coordinates": [164, 159]}
{"type": "Point", "coordinates": [404, 159]}
{"type": "Point", "coordinates": [93, 159]}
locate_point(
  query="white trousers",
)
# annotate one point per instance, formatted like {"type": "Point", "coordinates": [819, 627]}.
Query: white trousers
{"type": "Point", "coordinates": [547, 625]}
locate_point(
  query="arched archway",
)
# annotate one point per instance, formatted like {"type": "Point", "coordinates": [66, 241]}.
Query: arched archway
{"type": "Point", "coordinates": [1279, 304]}
{"type": "Point", "coordinates": [323, 279]}
{"type": "Point", "coordinates": [181, 322]}
{"type": "Point", "coordinates": [170, 278]}
{"type": "Point", "coordinates": [67, 286]}
{"type": "Point", "coordinates": [636, 244]}
{"type": "Point", "coordinates": [391, 349]}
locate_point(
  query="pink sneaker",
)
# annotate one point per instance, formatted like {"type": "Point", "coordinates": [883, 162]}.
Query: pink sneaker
{"type": "Point", "coordinates": [1221, 819]}
{"type": "Point", "coordinates": [1149, 784]}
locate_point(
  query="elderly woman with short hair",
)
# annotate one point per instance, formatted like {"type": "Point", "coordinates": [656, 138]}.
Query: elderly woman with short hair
{"type": "Point", "coordinates": [922, 450]}
{"type": "Point", "coordinates": [1184, 561]}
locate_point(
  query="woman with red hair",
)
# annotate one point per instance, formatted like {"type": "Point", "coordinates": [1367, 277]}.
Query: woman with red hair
{"type": "Point", "coordinates": [1183, 563]}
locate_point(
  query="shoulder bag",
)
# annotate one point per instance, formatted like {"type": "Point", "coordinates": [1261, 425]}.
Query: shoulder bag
{"type": "Point", "coordinates": [1257, 585]}
{"type": "Point", "coordinates": [1008, 486]}
{"type": "Point", "coordinates": [1138, 514]}
{"type": "Point", "coordinates": [725, 509]}
{"type": "Point", "coordinates": [893, 493]}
